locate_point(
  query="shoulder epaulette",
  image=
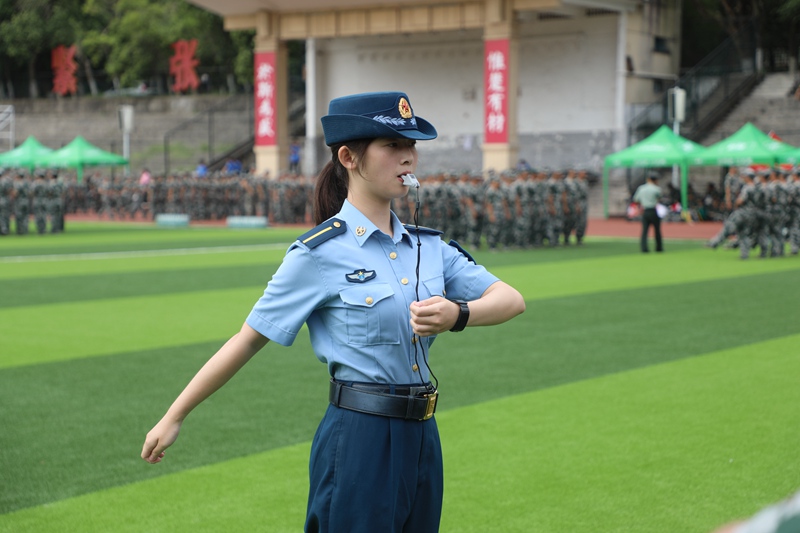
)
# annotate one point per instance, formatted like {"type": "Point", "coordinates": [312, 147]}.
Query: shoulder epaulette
{"type": "Point", "coordinates": [327, 230]}
{"type": "Point", "coordinates": [422, 229]}
{"type": "Point", "coordinates": [458, 247]}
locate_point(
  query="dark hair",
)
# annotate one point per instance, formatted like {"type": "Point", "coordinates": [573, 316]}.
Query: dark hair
{"type": "Point", "coordinates": [330, 191]}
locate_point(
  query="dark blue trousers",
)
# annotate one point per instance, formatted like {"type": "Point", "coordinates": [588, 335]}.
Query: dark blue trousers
{"type": "Point", "coordinates": [650, 218]}
{"type": "Point", "coordinates": [373, 473]}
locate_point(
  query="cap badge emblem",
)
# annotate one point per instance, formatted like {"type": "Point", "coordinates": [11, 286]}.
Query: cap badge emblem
{"type": "Point", "coordinates": [404, 108]}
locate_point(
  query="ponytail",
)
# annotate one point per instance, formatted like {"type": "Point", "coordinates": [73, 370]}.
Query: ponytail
{"type": "Point", "coordinates": [330, 191]}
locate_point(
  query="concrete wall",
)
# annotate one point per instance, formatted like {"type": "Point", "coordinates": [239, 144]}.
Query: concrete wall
{"type": "Point", "coordinates": [566, 88]}
{"type": "Point", "coordinates": [56, 122]}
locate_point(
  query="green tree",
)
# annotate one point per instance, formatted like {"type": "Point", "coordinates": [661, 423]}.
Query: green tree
{"type": "Point", "coordinates": [243, 63]}
{"type": "Point", "coordinates": [132, 38]}
{"type": "Point", "coordinates": [775, 23]}
{"type": "Point", "coordinates": [24, 36]}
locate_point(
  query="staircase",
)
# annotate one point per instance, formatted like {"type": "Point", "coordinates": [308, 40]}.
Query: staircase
{"type": "Point", "coordinates": [770, 107]}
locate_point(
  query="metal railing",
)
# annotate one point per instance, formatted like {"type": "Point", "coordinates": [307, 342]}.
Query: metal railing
{"type": "Point", "coordinates": [209, 134]}
{"type": "Point", "coordinates": [7, 124]}
{"type": "Point", "coordinates": [712, 87]}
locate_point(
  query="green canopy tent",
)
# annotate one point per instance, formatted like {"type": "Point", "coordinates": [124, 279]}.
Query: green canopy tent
{"type": "Point", "coordinates": [748, 146]}
{"type": "Point", "coordinates": [663, 148]}
{"type": "Point", "coordinates": [26, 155]}
{"type": "Point", "coordinates": [81, 153]}
{"type": "Point", "coordinates": [791, 157]}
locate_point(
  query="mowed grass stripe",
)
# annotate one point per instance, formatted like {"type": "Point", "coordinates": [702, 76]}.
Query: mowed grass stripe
{"type": "Point", "coordinates": [36, 334]}
{"type": "Point", "coordinates": [23, 267]}
{"type": "Point", "coordinates": [683, 446]}
{"type": "Point", "coordinates": [113, 278]}
{"type": "Point", "coordinates": [78, 426]}
{"type": "Point", "coordinates": [555, 342]}
{"type": "Point", "coordinates": [169, 319]}
{"type": "Point", "coordinates": [557, 279]}
{"type": "Point", "coordinates": [50, 265]}
{"type": "Point", "coordinates": [64, 289]}
{"type": "Point", "coordinates": [89, 238]}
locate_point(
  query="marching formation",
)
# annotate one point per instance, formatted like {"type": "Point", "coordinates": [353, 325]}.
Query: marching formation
{"type": "Point", "coordinates": [40, 195]}
{"type": "Point", "coordinates": [519, 208]}
{"type": "Point", "coordinates": [764, 211]}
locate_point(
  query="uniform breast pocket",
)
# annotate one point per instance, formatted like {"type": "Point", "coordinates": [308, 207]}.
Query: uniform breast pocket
{"type": "Point", "coordinates": [434, 286]}
{"type": "Point", "coordinates": [371, 314]}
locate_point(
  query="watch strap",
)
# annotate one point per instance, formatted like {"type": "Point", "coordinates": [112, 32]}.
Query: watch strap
{"type": "Point", "coordinates": [463, 316]}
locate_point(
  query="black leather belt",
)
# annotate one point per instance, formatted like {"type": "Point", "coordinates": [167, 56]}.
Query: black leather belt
{"type": "Point", "coordinates": [409, 403]}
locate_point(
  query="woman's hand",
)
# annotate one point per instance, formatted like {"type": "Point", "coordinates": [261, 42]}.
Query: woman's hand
{"type": "Point", "coordinates": [214, 374]}
{"type": "Point", "coordinates": [433, 316]}
{"type": "Point", "coordinates": [161, 437]}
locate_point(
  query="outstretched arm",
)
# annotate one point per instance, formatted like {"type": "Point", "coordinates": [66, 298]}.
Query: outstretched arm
{"type": "Point", "coordinates": [499, 303]}
{"type": "Point", "coordinates": [215, 373]}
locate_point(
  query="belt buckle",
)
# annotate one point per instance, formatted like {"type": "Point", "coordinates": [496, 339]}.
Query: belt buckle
{"type": "Point", "coordinates": [430, 408]}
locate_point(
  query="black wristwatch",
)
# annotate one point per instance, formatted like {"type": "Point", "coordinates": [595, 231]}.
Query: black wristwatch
{"type": "Point", "coordinates": [463, 316]}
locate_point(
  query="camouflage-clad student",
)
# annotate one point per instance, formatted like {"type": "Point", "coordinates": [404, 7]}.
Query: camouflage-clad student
{"type": "Point", "coordinates": [22, 205]}
{"type": "Point", "coordinates": [55, 203]}
{"type": "Point", "coordinates": [507, 188]}
{"type": "Point", "coordinates": [495, 207]}
{"type": "Point", "coordinates": [435, 197]}
{"type": "Point", "coordinates": [460, 191]}
{"type": "Point", "coordinates": [732, 186]}
{"type": "Point", "coordinates": [793, 186]}
{"type": "Point", "coordinates": [476, 209]}
{"type": "Point", "coordinates": [759, 225]}
{"type": "Point", "coordinates": [457, 230]}
{"type": "Point", "coordinates": [522, 209]}
{"type": "Point", "coordinates": [751, 203]}
{"type": "Point", "coordinates": [777, 211]}
{"type": "Point", "coordinates": [6, 196]}
{"type": "Point", "coordinates": [39, 201]}
{"type": "Point", "coordinates": [556, 206]}
{"type": "Point", "coordinates": [571, 205]}
{"type": "Point", "coordinates": [540, 214]}
{"type": "Point", "coordinates": [582, 206]}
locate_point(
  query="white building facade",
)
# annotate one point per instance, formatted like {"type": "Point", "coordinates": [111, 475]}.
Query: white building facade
{"type": "Point", "coordinates": [548, 81]}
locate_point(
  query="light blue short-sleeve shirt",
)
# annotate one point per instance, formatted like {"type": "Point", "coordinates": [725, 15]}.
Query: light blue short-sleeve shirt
{"type": "Point", "coordinates": [354, 291]}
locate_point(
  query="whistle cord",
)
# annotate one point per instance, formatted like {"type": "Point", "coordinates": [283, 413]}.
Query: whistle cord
{"type": "Point", "coordinates": [416, 340]}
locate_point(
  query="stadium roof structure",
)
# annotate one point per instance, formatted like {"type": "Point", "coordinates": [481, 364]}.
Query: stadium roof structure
{"type": "Point", "coordinates": [663, 148]}
{"type": "Point", "coordinates": [248, 7]}
{"type": "Point", "coordinates": [239, 14]}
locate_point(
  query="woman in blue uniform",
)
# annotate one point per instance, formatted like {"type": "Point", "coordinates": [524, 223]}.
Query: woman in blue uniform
{"type": "Point", "coordinates": [374, 294]}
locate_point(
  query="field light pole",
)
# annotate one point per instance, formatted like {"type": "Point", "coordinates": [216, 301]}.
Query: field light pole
{"type": "Point", "coordinates": [676, 98]}
{"type": "Point", "coordinates": [126, 125]}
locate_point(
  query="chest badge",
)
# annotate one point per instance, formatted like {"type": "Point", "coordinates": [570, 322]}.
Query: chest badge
{"type": "Point", "coordinates": [361, 230]}
{"type": "Point", "coordinates": [360, 276]}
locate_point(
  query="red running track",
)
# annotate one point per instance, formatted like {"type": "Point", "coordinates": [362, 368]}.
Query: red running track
{"type": "Point", "coordinates": [613, 227]}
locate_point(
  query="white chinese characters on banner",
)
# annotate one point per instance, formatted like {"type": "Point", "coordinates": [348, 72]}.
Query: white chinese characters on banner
{"type": "Point", "coordinates": [496, 91]}
{"type": "Point", "coordinates": [265, 98]}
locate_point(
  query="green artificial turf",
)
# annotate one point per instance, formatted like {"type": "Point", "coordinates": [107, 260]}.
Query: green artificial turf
{"type": "Point", "coordinates": [95, 345]}
{"type": "Point", "coordinates": [105, 238]}
{"type": "Point", "coordinates": [632, 451]}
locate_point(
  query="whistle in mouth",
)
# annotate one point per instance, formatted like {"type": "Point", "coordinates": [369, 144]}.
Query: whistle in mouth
{"type": "Point", "coordinates": [410, 180]}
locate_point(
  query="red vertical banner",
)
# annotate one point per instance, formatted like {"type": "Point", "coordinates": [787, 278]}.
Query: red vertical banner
{"type": "Point", "coordinates": [182, 66]}
{"type": "Point", "coordinates": [495, 105]}
{"type": "Point", "coordinates": [265, 99]}
{"type": "Point", "coordinates": [64, 68]}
